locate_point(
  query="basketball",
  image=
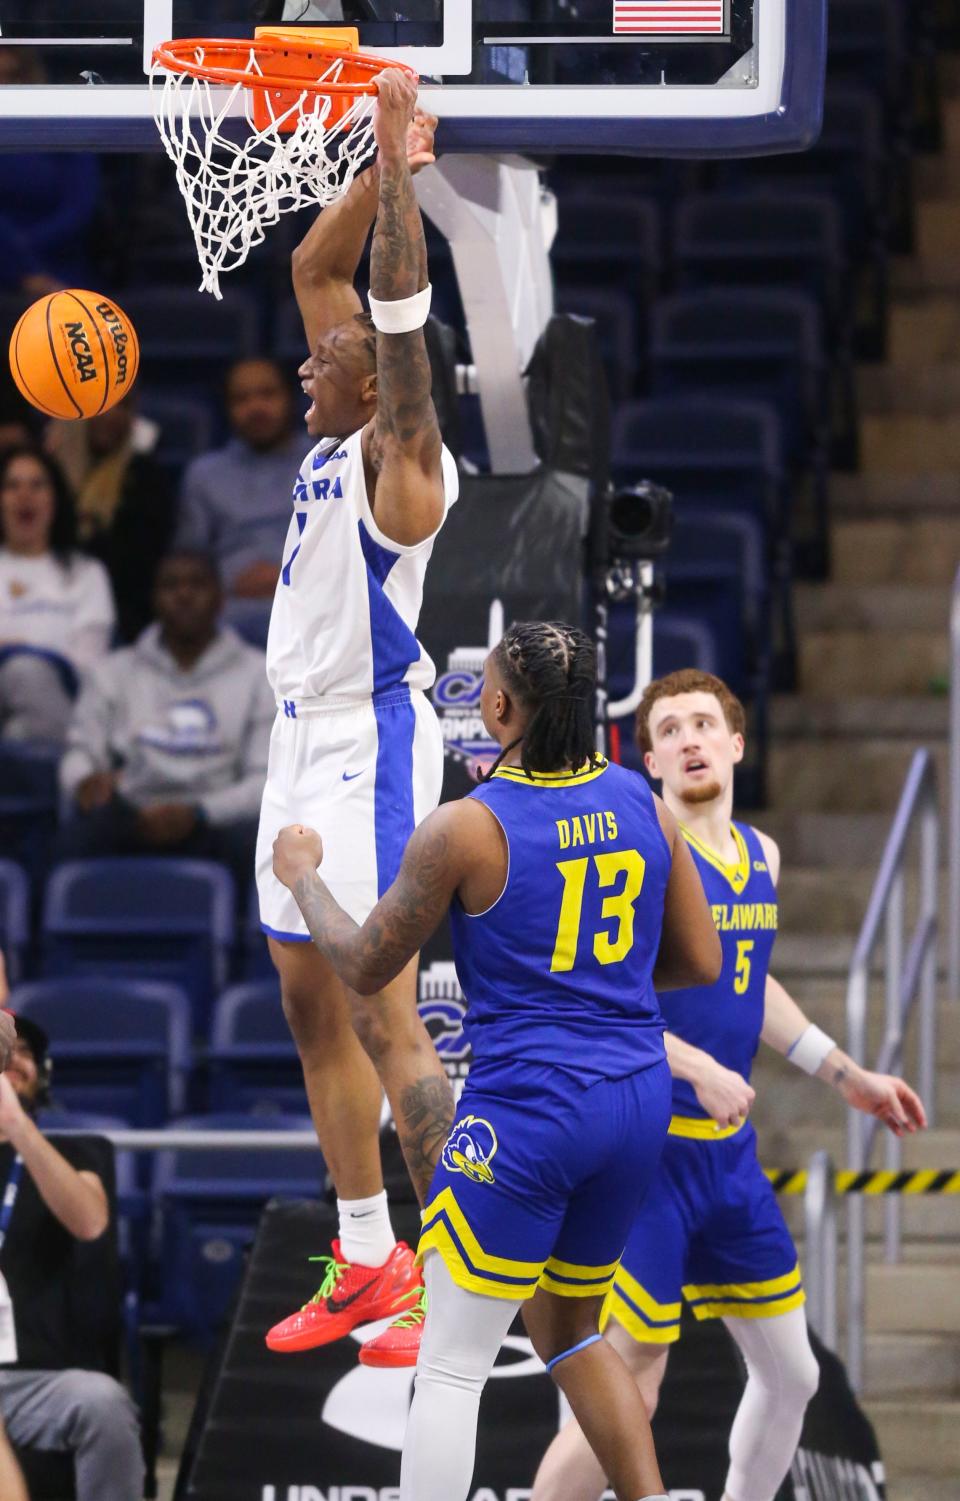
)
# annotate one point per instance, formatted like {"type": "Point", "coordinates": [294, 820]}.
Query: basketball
{"type": "Point", "coordinates": [74, 354]}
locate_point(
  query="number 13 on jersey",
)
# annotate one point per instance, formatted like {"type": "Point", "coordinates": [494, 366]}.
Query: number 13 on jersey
{"type": "Point", "coordinates": [608, 868]}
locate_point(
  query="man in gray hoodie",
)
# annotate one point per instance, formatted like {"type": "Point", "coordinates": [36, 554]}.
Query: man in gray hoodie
{"type": "Point", "coordinates": [167, 750]}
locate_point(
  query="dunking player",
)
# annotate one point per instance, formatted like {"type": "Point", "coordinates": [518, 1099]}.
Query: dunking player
{"type": "Point", "coordinates": [356, 746]}
{"type": "Point", "coordinates": [710, 1227]}
{"type": "Point", "coordinates": [569, 890]}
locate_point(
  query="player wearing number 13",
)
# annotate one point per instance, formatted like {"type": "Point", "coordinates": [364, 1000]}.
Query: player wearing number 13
{"type": "Point", "coordinates": [570, 893]}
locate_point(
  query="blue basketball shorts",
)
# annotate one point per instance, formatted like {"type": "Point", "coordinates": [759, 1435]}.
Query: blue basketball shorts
{"type": "Point", "coordinates": [541, 1178]}
{"type": "Point", "coordinates": [710, 1230]}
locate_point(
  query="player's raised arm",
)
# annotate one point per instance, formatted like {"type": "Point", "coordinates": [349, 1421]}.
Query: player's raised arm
{"type": "Point", "coordinates": [787, 1030]}
{"type": "Point", "coordinates": [404, 446]}
{"type": "Point", "coordinates": [367, 958]}
{"type": "Point", "coordinates": [325, 262]}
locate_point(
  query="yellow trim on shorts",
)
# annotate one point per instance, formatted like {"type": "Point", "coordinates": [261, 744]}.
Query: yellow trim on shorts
{"type": "Point", "coordinates": [787, 1283]}
{"type": "Point", "coordinates": [468, 1266]}
{"type": "Point", "coordinates": [577, 1281]}
{"type": "Point", "coordinates": [750, 1310]}
{"type": "Point", "coordinates": [699, 1128]}
{"type": "Point", "coordinates": [664, 1331]}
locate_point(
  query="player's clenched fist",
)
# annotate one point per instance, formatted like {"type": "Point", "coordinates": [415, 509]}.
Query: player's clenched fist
{"type": "Point", "coordinates": [297, 851]}
{"type": "Point", "coordinates": [394, 111]}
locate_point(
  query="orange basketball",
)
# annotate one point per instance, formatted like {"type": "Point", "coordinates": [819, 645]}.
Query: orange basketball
{"type": "Point", "coordinates": [74, 354]}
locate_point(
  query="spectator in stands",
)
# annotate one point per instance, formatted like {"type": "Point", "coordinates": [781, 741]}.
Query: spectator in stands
{"type": "Point", "coordinates": [56, 606]}
{"type": "Point", "coordinates": [126, 508]}
{"type": "Point", "coordinates": [48, 200]}
{"type": "Point", "coordinates": [235, 501]}
{"type": "Point", "coordinates": [167, 751]}
{"type": "Point", "coordinates": [48, 1398]}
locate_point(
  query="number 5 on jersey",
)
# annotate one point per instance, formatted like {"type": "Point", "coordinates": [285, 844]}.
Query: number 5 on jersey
{"type": "Point", "coordinates": [741, 975]}
{"type": "Point", "coordinates": [609, 867]}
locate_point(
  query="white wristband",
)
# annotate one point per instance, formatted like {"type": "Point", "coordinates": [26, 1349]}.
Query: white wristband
{"type": "Point", "coordinates": [401, 317]}
{"type": "Point", "coordinates": [810, 1049]}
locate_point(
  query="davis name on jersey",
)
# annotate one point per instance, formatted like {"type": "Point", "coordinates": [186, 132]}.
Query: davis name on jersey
{"type": "Point", "coordinates": [348, 598]}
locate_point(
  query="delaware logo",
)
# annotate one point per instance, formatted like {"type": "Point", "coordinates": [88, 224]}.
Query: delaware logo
{"type": "Point", "coordinates": [470, 1148]}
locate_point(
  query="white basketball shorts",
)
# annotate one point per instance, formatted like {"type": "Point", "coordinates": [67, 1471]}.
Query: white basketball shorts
{"type": "Point", "coordinates": [363, 774]}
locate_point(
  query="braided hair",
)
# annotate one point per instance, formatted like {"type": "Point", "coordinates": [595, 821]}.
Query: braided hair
{"type": "Point", "coordinates": [551, 669]}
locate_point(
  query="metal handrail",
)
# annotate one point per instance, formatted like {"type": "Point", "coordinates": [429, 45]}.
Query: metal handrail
{"type": "Point", "coordinates": [953, 799]}
{"type": "Point", "coordinates": [910, 978]}
{"type": "Point", "coordinates": [820, 1247]}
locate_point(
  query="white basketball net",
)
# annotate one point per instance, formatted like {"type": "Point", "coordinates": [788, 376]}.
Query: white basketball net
{"type": "Point", "coordinates": [235, 188]}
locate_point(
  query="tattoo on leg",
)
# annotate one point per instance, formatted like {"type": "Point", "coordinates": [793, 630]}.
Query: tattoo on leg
{"type": "Point", "coordinates": [424, 1122]}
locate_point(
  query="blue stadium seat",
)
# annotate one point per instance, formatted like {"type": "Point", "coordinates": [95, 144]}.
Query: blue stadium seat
{"type": "Point", "coordinates": [774, 238]}
{"type": "Point", "coordinates": [166, 919]}
{"type": "Point", "coordinates": [121, 1047]}
{"type": "Point", "coordinates": [605, 240]}
{"type": "Point", "coordinates": [257, 964]}
{"type": "Point", "coordinates": [711, 452]}
{"type": "Point", "coordinates": [678, 641]}
{"type": "Point", "coordinates": [252, 1058]}
{"type": "Point", "coordinates": [758, 345]}
{"type": "Point", "coordinates": [186, 340]}
{"type": "Point", "coordinates": [14, 917]}
{"type": "Point", "coordinates": [250, 618]}
{"type": "Point", "coordinates": [29, 800]}
{"type": "Point", "coordinates": [682, 641]}
{"type": "Point", "coordinates": [210, 1201]}
{"type": "Point", "coordinates": [186, 427]}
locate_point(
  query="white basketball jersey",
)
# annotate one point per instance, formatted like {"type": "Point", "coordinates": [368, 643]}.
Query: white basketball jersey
{"type": "Point", "coordinates": [347, 602]}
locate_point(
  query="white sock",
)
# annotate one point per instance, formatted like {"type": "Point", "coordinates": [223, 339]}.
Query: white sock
{"type": "Point", "coordinates": [366, 1234]}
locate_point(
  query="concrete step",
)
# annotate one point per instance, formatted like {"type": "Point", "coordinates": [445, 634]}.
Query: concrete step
{"type": "Point", "coordinates": [903, 1485]}
{"type": "Point", "coordinates": [793, 717]}
{"type": "Point", "coordinates": [907, 442]}
{"type": "Point", "coordinates": [912, 1363]}
{"type": "Point", "coordinates": [922, 550]}
{"type": "Point", "coordinates": [929, 390]}
{"type": "Point", "coordinates": [833, 662]}
{"type": "Point", "coordinates": [795, 1118]}
{"type": "Point", "coordinates": [917, 1435]}
{"type": "Point", "coordinates": [900, 1300]}
{"type": "Point", "coordinates": [902, 495]}
{"type": "Point", "coordinates": [881, 607]}
{"type": "Point", "coordinates": [924, 329]}
{"type": "Point", "coordinates": [842, 776]}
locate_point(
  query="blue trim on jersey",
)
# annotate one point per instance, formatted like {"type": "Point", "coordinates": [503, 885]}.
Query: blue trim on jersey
{"type": "Point", "coordinates": [286, 937]}
{"type": "Point", "coordinates": [301, 523]}
{"type": "Point", "coordinates": [395, 648]}
{"type": "Point", "coordinates": [393, 789]}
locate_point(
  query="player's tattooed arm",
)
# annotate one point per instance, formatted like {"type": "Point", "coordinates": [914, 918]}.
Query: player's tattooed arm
{"type": "Point", "coordinates": [366, 958]}
{"type": "Point", "coordinates": [404, 445]}
{"type": "Point", "coordinates": [423, 1121]}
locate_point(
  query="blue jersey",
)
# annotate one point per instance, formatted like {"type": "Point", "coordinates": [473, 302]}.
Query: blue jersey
{"type": "Point", "coordinates": [558, 971]}
{"type": "Point", "coordinates": [725, 1019]}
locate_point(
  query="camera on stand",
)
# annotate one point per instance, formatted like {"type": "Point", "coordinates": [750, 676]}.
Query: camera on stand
{"type": "Point", "coordinates": [630, 528]}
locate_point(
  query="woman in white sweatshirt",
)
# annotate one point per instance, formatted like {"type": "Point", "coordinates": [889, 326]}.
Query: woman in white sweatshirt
{"type": "Point", "coordinates": [56, 606]}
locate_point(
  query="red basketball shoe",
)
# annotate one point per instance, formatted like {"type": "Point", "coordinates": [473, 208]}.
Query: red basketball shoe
{"type": "Point", "coordinates": [350, 1294]}
{"type": "Point", "coordinates": [400, 1344]}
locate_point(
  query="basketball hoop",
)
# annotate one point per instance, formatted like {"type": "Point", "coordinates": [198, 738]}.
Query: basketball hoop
{"type": "Point", "coordinates": [304, 130]}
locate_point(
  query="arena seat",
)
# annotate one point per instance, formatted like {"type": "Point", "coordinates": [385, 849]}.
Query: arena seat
{"type": "Point", "coordinates": [605, 240]}
{"type": "Point", "coordinates": [165, 919]}
{"type": "Point", "coordinates": [122, 1047]}
{"type": "Point", "coordinates": [29, 799]}
{"type": "Point", "coordinates": [14, 917]}
{"type": "Point", "coordinates": [186, 427]}
{"type": "Point", "coordinates": [210, 1201]}
{"type": "Point", "coordinates": [710, 451]}
{"type": "Point", "coordinates": [615, 317]}
{"type": "Point", "coordinates": [774, 238]}
{"type": "Point", "coordinates": [252, 1058]}
{"type": "Point", "coordinates": [256, 962]}
{"type": "Point", "coordinates": [186, 339]}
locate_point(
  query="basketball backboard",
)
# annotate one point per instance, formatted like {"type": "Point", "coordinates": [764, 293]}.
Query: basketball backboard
{"type": "Point", "coordinates": [650, 77]}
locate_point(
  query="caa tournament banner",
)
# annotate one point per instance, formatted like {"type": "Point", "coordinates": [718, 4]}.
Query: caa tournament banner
{"type": "Point", "coordinates": [320, 1427]}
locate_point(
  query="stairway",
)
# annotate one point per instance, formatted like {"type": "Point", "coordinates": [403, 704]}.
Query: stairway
{"type": "Point", "coordinates": [872, 642]}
